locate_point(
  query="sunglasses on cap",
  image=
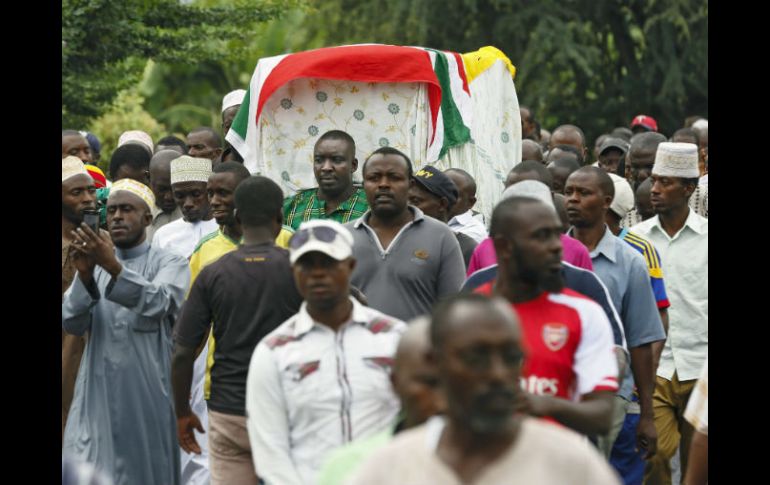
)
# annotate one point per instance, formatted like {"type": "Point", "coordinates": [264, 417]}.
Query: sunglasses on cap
{"type": "Point", "coordinates": [322, 233]}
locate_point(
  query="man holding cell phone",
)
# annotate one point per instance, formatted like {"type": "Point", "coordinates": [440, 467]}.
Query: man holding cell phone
{"type": "Point", "coordinates": [126, 295]}
{"type": "Point", "coordinates": [78, 196]}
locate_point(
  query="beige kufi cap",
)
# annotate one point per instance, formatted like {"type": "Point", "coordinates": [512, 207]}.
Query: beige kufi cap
{"type": "Point", "coordinates": [136, 188]}
{"type": "Point", "coordinates": [71, 166]}
{"type": "Point", "coordinates": [189, 169]}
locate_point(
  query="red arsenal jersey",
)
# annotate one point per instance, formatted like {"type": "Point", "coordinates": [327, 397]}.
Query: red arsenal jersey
{"type": "Point", "coordinates": [569, 345]}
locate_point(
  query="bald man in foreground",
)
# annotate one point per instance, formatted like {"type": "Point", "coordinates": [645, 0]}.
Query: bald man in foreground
{"type": "Point", "coordinates": [477, 350]}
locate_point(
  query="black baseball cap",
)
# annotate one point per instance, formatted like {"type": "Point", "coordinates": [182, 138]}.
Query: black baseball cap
{"type": "Point", "coordinates": [437, 183]}
{"type": "Point", "coordinates": [612, 142]}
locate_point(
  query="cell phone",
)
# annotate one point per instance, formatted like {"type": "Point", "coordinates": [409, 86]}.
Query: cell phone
{"type": "Point", "coordinates": [91, 218]}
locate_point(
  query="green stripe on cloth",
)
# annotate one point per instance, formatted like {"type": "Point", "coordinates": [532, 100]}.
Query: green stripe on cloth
{"type": "Point", "coordinates": [241, 122]}
{"type": "Point", "coordinates": [455, 131]}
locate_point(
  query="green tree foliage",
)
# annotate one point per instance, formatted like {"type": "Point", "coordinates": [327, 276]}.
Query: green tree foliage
{"type": "Point", "coordinates": [106, 43]}
{"type": "Point", "coordinates": [595, 64]}
{"type": "Point", "coordinates": [125, 114]}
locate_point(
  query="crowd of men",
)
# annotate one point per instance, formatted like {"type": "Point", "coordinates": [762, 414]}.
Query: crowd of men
{"type": "Point", "coordinates": [216, 330]}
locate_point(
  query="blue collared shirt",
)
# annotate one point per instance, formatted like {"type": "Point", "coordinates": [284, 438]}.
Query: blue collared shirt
{"type": "Point", "coordinates": [624, 272]}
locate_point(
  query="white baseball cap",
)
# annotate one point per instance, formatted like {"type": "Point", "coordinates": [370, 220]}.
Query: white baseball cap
{"type": "Point", "coordinates": [326, 236]}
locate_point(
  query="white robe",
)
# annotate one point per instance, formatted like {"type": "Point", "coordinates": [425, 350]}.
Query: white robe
{"type": "Point", "coordinates": [182, 237]}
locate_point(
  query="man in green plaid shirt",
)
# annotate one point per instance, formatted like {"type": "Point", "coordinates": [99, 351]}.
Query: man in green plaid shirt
{"type": "Point", "coordinates": [337, 198]}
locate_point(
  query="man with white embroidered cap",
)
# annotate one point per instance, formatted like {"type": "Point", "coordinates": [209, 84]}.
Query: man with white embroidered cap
{"type": "Point", "coordinates": [137, 137]}
{"type": "Point", "coordinates": [681, 236]}
{"type": "Point", "coordinates": [321, 379]}
{"type": "Point", "coordinates": [126, 295]}
{"type": "Point", "coordinates": [78, 196]}
{"type": "Point", "coordinates": [189, 177]}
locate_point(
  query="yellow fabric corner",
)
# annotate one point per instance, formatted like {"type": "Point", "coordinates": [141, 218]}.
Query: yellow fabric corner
{"type": "Point", "coordinates": [282, 241]}
{"type": "Point", "coordinates": [479, 61]}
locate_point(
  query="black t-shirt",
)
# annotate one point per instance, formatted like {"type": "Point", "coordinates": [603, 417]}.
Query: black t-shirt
{"type": "Point", "coordinates": [246, 293]}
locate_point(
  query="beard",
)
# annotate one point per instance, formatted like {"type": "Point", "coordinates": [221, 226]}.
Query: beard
{"type": "Point", "coordinates": [389, 211]}
{"type": "Point", "coordinates": [484, 420]}
{"type": "Point", "coordinates": [550, 281]}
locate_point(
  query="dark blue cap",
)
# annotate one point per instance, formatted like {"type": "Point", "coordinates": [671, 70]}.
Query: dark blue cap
{"type": "Point", "coordinates": [438, 184]}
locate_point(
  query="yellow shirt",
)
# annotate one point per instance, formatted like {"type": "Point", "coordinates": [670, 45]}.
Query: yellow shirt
{"type": "Point", "coordinates": [210, 248]}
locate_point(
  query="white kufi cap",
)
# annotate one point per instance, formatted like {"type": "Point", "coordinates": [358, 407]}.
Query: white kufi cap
{"type": "Point", "coordinates": [533, 189]}
{"type": "Point", "coordinates": [233, 98]}
{"type": "Point", "coordinates": [676, 160]}
{"type": "Point", "coordinates": [136, 136]}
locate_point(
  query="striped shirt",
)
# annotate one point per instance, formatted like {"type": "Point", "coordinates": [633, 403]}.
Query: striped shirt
{"type": "Point", "coordinates": [652, 259]}
{"type": "Point", "coordinates": [305, 205]}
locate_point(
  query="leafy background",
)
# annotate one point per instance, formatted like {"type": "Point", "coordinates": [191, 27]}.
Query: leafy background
{"type": "Point", "coordinates": [163, 66]}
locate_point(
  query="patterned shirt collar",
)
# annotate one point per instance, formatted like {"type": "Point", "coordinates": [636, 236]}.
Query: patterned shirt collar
{"type": "Point", "coordinates": [305, 323]}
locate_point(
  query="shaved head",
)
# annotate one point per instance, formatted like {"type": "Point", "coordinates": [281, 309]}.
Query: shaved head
{"type": "Point", "coordinates": [466, 188]}
{"type": "Point", "coordinates": [568, 135]}
{"type": "Point", "coordinates": [530, 150]}
{"type": "Point", "coordinates": [461, 311]}
{"type": "Point", "coordinates": [162, 160]}
{"type": "Point", "coordinates": [414, 377]}
{"type": "Point", "coordinates": [415, 341]}
{"type": "Point", "coordinates": [160, 179]}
